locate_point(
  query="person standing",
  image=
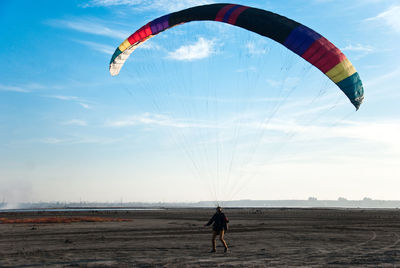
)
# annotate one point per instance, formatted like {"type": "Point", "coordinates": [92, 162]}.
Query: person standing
{"type": "Point", "coordinates": [220, 226]}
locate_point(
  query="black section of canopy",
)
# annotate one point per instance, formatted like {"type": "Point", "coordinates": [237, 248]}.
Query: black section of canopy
{"type": "Point", "coordinates": [266, 23]}
{"type": "Point", "coordinates": [260, 21]}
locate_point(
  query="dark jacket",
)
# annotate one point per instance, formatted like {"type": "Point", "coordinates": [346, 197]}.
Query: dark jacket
{"type": "Point", "coordinates": [220, 222]}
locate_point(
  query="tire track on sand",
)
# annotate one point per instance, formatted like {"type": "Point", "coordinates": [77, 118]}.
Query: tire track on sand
{"type": "Point", "coordinates": [372, 238]}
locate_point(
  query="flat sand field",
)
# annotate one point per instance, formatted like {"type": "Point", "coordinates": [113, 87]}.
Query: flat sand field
{"type": "Point", "coordinates": [258, 237]}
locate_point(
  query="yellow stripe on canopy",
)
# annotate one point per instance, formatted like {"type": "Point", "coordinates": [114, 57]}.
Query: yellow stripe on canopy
{"type": "Point", "coordinates": [124, 45]}
{"type": "Point", "coordinates": [341, 71]}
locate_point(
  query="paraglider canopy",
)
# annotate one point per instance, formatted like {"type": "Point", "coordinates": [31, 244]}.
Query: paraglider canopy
{"type": "Point", "coordinates": [298, 38]}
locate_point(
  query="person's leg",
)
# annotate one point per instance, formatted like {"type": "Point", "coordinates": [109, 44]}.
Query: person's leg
{"type": "Point", "coordinates": [214, 244]}
{"type": "Point", "coordinates": [221, 237]}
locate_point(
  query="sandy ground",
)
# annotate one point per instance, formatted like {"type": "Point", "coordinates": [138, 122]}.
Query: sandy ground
{"type": "Point", "coordinates": [277, 237]}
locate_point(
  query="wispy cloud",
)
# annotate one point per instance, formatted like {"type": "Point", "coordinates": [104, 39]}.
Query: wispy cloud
{"type": "Point", "coordinates": [359, 48]}
{"type": "Point", "coordinates": [287, 83]}
{"type": "Point", "coordinates": [52, 140]}
{"type": "Point", "coordinates": [382, 81]}
{"type": "Point", "coordinates": [149, 45]}
{"type": "Point", "coordinates": [61, 97]}
{"type": "Point", "coordinates": [14, 89]}
{"type": "Point", "coordinates": [203, 48]}
{"type": "Point", "coordinates": [390, 17]}
{"type": "Point", "coordinates": [107, 3]}
{"type": "Point", "coordinates": [228, 100]}
{"type": "Point", "coordinates": [382, 133]}
{"type": "Point", "coordinates": [83, 103]}
{"type": "Point", "coordinates": [273, 83]}
{"type": "Point", "coordinates": [247, 69]}
{"type": "Point", "coordinates": [75, 122]}
{"type": "Point", "coordinates": [28, 87]}
{"type": "Point", "coordinates": [90, 26]}
{"type": "Point", "coordinates": [80, 140]}
{"type": "Point", "coordinates": [109, 50]}
{"type": "Point", "coordinates": [254, 48]}
{"type": "Point", "coordinates": [361, 134]}
{"type": "Point", "coordinates": [155, 120]}
{"type": "Point", "coordinates": [164, 5]}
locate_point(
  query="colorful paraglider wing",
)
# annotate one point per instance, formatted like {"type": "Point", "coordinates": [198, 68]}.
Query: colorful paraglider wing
{"type": "Point", "coordinates": [300, 39]}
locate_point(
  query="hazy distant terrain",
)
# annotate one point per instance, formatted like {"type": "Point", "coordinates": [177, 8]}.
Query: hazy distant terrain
{"type": "Point", "coordinates": [311, 202]}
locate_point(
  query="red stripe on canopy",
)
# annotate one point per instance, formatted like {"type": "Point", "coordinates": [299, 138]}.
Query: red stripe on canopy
{"type": "Point", "coordinates": [323, 54]}
{"type": "Point", "coordinates": [235, 14]}
{"type": "Point", "coordinates": [140, 34]}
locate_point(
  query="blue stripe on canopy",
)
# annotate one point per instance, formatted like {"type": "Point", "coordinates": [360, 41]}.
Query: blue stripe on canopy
{"type": "Point", "coordinates": [300, 39]}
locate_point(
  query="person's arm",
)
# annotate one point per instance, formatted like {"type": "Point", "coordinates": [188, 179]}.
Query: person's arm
{"type": "Point", "coordinates": [211, 220]}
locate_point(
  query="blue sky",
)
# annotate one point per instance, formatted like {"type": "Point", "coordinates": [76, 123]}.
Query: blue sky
{"type": "Point", "coordinates": [204, 111]}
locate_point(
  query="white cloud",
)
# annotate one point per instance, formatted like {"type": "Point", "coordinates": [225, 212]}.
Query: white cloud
{"type": "Point", "coordinates": [76, 122]}
{"type": "Point", "coordinates": [286, 84]}
{"type": "Point", "coordinates": [28, 87]}
{"type": "Point", "coordinates": [199, 50]}
{"type": "Point", "coordinates": [380, 82]}
{"type": "Point", "coordinates": [382, 133]}
{"type": "Point", "coordinates": [248, 69]}
{"type": "Point", "coordinates": [106, 3]}
{"type": "Point", "coordinates": [228, 100]}
{"type": "Point", "coordinates": [80, 101]}
{"type": "Point", "coordinates": [34, 85]}
{"type": "Point", "coordinates": [256, 49]}
{"type": "Point", "coordinates": [273, 83]}
{"type": "Point", "coordinates": [175, 5]}
{"type": "Point", "coordinates": [85, 105]}
{"type": "Point", "coordinates": [109, 50]}
{"type": "Point", "coordinates": [13, 89]}
{"type": "Point", "coordinates": [390, 17]}
{"type": "Point", "coordinates": [52, 140]}
{"type": "Point", "coordinates": [359, 48]}
{"type": "Point", "coordinates": [149, 45]}
{"type": "Point", "coordinates": [156, 120]}
{"type": "Point", "coordinates": [61, 97]}
{"type": "Point", "coordinates": [80, 140]}
{"type": "Point", "coordinates": [91, 26]}
{"type": "Point", "coordinates": [164, 5]}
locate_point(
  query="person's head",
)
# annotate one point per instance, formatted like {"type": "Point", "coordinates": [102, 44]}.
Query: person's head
{"type": "Point", "coordinates": [219, 209]}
